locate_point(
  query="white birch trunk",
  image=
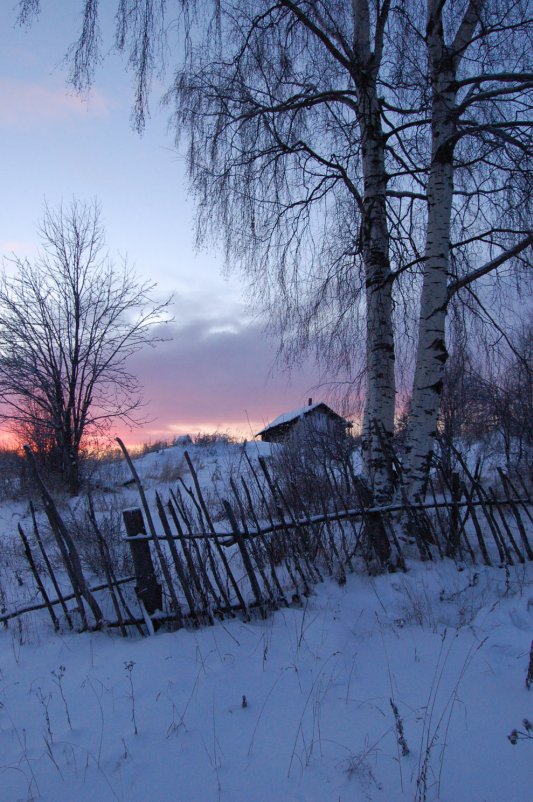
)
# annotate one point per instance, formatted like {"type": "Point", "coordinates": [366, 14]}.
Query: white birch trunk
{"type": "Point", "coordinates": [431, 351]}
{"type": "Point", "coordinates": [380, 402]}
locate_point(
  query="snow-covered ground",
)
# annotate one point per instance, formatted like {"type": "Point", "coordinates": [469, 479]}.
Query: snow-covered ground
{"type": "Point", "coordinates": [297, 708]}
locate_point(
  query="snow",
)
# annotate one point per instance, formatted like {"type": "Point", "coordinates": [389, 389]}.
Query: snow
{"type": "Point", "coordinates": [449, 648]}
{"type": "Point", "coordinates": [448, 644]}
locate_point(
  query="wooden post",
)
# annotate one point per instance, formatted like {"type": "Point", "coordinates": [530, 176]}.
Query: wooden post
{"type": "Point", "coordinates": [148, 589]}
{"type": "Point", "coordinates": [161, 557]}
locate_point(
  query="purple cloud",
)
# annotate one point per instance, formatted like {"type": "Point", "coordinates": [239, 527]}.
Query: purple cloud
{"type": "Point", "coordinates": [215, 374]}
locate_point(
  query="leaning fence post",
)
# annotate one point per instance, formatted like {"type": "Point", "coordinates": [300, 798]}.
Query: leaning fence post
{"type": "Point", "coordinates": [148, 589]}
{"type": "Point", "coordinates": [35, 572]}
{"type": "Point", "coordinates": [456, 493]}
{"type": "Point", "coordinates": [67, 547]}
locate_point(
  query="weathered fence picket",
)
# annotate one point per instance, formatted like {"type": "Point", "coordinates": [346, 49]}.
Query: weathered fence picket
{"type": "Point", "coordinates": [49, 568]}
{"type": "Point", "coordinates": [38, 580]}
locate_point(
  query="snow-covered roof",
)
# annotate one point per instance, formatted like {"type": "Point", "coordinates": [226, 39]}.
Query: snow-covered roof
{"type": "Point", "coordinates": [294, 414]}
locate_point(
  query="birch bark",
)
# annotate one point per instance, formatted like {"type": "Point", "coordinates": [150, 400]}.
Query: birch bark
{"type": "Point", "coordinates": [443, 61]}
{"type": "Point", "coordinates": [380, 402]}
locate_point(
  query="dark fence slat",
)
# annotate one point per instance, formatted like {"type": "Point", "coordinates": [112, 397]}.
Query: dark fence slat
{"type": "Point", "coordinates": [507, 529]}
{"type": "Point", "coordinates": [49, 568]}
{"type": "Point", "coordinates": [246, 561]}
{"type": "Point", "coordinates": [264, 545]}
{"type": "Point", "coordinates": [104, 556]}
{"type": "Point", "coordinates": [514, 507]}
{"type": "Point", "coordinates": [175, 556]}
{"type": "Point", "coordinates": [223, 591]}
{"type": "Point", "coordinates": [199, 573]}
{"type": "Point", "coordinates": [479, 534]}
{"type": "Point", "coordinates": [38, 580]}
{"type": "Point", "coordinates": [67, 547]}
{"type": "Point", "coordinates": [283, 528]}
{"type": "Point", "coordinates": [218, 547]}
{"type": "Point", "coordinates": [251, 541]}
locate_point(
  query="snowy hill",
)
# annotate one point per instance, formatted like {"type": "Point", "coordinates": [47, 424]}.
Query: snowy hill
{"type": "Point", "coordinates": [395, 687]}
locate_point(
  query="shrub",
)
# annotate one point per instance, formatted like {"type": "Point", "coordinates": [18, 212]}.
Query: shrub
{"type": "Point", "coordinates": [211, 439]}
{"type": "Point", "coordinates": [312, 466]}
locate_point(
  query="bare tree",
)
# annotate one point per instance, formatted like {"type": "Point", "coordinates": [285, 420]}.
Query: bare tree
{"type": "Point", "coordinates": [286, 143]}
{"type": "Point", "coordinates": [353, 155]}
{"type": "Point", "coordinates": [510, 388]}
{"type": "Point", "coordinates": [69, 321]}
{"type": "Point", "coordinates": [465, 403]}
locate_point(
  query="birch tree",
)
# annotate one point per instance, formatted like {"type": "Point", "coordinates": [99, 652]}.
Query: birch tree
{"type": "Point", "coordinates": [353, 156]}
{"type": "Point", "coordinates": [479, 181]}
{"type": "Point", "coordinates": [287, 157]}
{"type": "Point", "coordinates": [280, 106]}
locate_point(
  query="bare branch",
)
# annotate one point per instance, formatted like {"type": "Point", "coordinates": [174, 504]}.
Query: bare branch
{"type": "Point", "coordinates": [488, 267]}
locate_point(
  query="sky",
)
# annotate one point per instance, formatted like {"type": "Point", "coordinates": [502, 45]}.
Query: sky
{"type": "Point", "coordinates": [218, 371]}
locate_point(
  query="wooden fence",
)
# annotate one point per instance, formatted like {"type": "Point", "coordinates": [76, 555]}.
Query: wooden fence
{"type": "Point", "coordinates": [275, 545]}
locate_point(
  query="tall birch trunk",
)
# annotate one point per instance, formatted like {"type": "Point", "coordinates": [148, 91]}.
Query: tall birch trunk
{"type": "Point", "coordinates": [379, 410]}
{"type": "Point", "coordinates": [431, 351]}
{"type": "Point", "coordinates": [380, 402]}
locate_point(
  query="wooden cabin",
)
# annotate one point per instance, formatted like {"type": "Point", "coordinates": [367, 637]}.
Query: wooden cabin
{"type": "Point", "coordinates": [318, 417]}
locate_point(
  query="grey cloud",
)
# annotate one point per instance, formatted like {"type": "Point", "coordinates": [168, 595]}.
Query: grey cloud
{"type": "Point", "coordinates": [218, 371]}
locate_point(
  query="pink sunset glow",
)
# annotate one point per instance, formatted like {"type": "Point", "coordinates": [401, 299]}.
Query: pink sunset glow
{"type": "Point", "coordinates": [214, 377]}
{"type": "Point", "coordinates": [216, 373]}
{"type": "Point", "coordinates": [25, 104]}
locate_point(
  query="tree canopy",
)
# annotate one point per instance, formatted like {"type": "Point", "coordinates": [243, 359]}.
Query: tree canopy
{"type": "Point", "coordinates": [365, 163]}
{"type": "Point", "coordinates": [69, 321]}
